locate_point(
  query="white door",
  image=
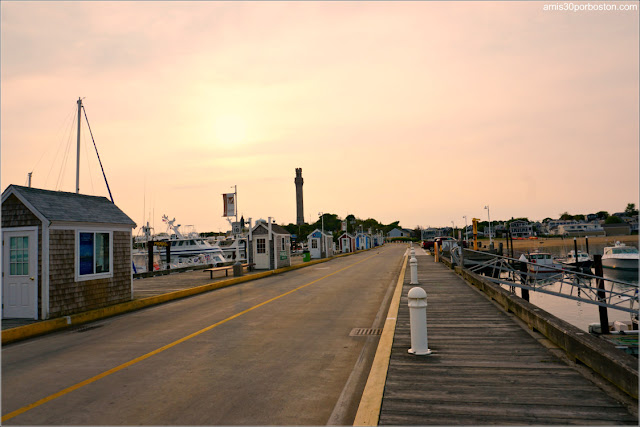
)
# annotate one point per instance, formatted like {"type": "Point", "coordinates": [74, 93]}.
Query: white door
{"type": "Point", "coordinates": [345, 245]}
{"type": "Point", "coordinates": [261, 254]}
{"type": "Point", "coordinates": [20, 274]}
{"type": "Point", "coordinates": [315, 248]}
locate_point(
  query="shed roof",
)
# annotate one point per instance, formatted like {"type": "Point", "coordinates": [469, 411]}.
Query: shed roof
{"type": "Point", "coordinates": [275, 228]}
{"type": "Point", "coordinates": [69, 207]}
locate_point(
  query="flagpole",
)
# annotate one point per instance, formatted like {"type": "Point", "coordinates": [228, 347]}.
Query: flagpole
{"type": "Point", "coordinates": [235, 196]}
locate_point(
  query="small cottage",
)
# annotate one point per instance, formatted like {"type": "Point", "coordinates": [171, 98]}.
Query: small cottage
{"type": "Point", "coordinates": [320, 244]}
{"type": "Point", "coordinates": [63, 253]}
{"type": "Point", "coordinates": [347, 243]}
{"type": "Point", "coordinates": [270, 246]}
{"type": "Point", "coordinates": [363, 241]}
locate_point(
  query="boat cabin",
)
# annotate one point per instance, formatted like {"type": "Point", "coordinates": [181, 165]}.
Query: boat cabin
{"type": "Point", "coordinates": [63, 253]}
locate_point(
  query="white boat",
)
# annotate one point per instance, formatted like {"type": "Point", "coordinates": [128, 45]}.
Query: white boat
{"type": "Point", "coordinates": [541, 262]}
{"type": "Point", "coordinates": [582, 261]}
{"type": "Point", "coordinates": [230, 248]}
{"type": "Point", "coordinates": [189, 249]}
{"type": "Point", "coordinates": [620, 257]}
{"type": "Point", "coordinates": [191, 245]}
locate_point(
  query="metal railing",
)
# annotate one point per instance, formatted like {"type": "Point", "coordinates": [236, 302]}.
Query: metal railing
{"type": "Point", "coordinates": [559, 281]}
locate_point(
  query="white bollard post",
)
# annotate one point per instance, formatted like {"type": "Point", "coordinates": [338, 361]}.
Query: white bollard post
{"type": "Point", "coordinates": [418, 320]}
{"type": "Point", "coordinates": [413, 266]}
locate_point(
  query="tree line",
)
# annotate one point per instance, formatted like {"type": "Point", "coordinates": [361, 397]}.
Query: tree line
{"type": "Point", "coordinates": [332, 223]}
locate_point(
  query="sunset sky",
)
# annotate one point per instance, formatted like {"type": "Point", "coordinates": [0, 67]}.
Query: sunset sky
{"type": "Point", "coordinates": [420, 112]}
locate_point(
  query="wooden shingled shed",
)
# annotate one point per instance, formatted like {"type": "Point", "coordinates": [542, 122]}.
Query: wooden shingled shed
{"type": "Point", "coordinates": [63, 253]}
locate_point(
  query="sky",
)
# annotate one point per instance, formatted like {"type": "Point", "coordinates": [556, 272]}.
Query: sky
{"type": "Point", "coordinates": [418, 112]}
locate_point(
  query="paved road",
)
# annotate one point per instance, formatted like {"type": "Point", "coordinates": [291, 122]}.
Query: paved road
{"type": "Point", "coordinates": [271, 351]}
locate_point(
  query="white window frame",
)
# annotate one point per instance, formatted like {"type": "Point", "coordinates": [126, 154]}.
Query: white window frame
{"type": "Point", "coordinates": [261, 241]}
{"type": "Point", "coordinates": [85, 277]}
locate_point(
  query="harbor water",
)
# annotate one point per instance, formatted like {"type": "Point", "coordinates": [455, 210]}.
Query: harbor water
{"type": "Point", "coordinates": [579, 313]}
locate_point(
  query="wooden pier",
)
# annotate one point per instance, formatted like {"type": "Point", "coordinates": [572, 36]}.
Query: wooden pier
{"type": "Point", "coordinates": [486, 368]}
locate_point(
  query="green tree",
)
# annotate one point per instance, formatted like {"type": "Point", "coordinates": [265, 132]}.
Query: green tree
{"type": "Point", "coordinates": [566, 217]}
{"type": "Point", "coordinates": [631, 209]}
{"type": "Point", "coordinates": [613, 220]}
{"type": "Point", "coordinates": [602, 215]}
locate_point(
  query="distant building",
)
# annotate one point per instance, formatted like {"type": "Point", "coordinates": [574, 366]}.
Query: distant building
{"type": "Point", "coordinates": [581, 229]}
{"type": "Point", "coordinates": [521, 230]}
{"type": "Point", "coordinates": [399, 232]}
{"type": "Point", "coordinates": [621, 229]}
{"type": "Point", "coordinates": [64, 253]}
{"type": "Point", "coordinates": [553, 224]}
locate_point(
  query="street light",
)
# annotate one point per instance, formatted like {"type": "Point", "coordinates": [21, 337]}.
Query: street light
{"type": "Point", "coordinates": [489, 216]}
{"type": "Point", "coordinates": [466, 229]}
{"type": "Point", "coordinates": [321, 234]}
{"type": "Point", "coordinates": [453, 230]}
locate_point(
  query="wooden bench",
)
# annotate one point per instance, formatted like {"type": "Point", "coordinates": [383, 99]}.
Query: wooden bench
{"type": "Point", "coordinates": [226, 269]}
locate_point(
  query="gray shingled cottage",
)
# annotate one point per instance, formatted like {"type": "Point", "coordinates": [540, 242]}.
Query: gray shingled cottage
{"type": "Point", "coordinates": [269, 246]}
{"type": "Point", "coordinates": [62, 253]}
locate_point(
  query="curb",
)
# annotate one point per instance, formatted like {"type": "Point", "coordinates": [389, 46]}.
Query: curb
{"type": "Point", "coordinates": [51, 325]}
{"type": "Point", "coordinates": [371, 402]}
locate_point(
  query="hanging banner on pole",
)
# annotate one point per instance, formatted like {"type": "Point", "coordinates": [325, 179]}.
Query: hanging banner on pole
{"type": "Point", "coordinates": [229, 200]}
{"type": "Point", "coordinates": [344, 225]}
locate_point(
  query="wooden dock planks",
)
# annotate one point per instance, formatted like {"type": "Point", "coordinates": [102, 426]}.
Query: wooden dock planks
{"type": "Point", "coordinates": [485, 369]}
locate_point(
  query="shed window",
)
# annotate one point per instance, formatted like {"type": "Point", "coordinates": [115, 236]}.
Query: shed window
{"type": "Point", "coordinates": [314, 244]}
{"type": "Point", "coordinates": [19, 256]}
{"type": "Point", "coordinates": [261, 246]}
{"type": "Point", "coordinates": [94, 254]}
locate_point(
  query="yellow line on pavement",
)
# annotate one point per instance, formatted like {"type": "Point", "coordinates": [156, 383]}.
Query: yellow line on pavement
{"type": "Point", "coordinates": [161, 349]}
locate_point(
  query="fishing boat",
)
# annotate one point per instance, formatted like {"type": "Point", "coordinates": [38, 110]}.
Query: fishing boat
{"type": "Point", "coordinates": [583, 261]}
{"type": "Point", "coordinates": [620, 257]}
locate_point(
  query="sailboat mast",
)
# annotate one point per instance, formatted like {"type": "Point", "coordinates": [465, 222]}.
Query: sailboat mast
{"type": "Point", "coordinates": [78, 155]}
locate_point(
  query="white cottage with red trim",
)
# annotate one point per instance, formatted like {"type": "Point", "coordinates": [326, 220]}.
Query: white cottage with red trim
{"type": "Point", "coordinates": [347, 243]}
{"type": "Point", "coordinates": [63, 253]}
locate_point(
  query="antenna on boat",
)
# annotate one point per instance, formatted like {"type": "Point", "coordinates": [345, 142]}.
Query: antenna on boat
{"type": "Point", "coordinates": [78, 155]}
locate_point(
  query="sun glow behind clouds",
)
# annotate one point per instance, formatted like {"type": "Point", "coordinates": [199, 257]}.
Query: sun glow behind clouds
{"type": "Point", "coordinates": [230, 129]}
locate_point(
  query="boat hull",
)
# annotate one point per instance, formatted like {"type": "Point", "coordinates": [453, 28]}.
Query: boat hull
{"type": "Point", "coordinates": [620, 264]}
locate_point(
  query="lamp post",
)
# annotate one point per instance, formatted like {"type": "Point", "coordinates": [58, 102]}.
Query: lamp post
{"type": "Point", "coordinates": [489, 216]}
{"type": "Point", "coordinates": [466, 230]}
{"type": "Point", "coordinates": [453, 230]}
{"type": "Point", "coordinates": [321, 234]}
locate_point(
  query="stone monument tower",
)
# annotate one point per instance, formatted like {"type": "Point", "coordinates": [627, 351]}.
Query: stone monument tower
{"type": "Point", "coordinates": [300, 211]}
